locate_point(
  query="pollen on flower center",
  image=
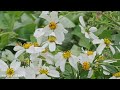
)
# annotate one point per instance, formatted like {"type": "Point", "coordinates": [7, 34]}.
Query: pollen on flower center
{"type": "Point", "coordinates": [52, 25]}
{"type": "Point", "coordinates": [43, 71]}
{"type": "Point", "coordinates": [10, 72]}
{"type": "Point", "coordinates": [117, 74]}
{"type": "Point", "coordinates": [35, 44]}
{"type": "Point", "coordinates": [86, 65]}
{"type": "Point", "coordinates": [51, 38]}
{"type": "Point", "coordinates": [67, 54]}
{"type": "Point", "coordinates": [107, 41]}
{"type": "Point", "coordinates": [27, 45]}
{"type": "Point", "coordinates": [89, 53]}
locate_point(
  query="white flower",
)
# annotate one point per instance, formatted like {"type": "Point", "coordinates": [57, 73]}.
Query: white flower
{"type": "Point", "coordinates": [27, 47]}
{"type": "Point", "coordinates": [14, 71]}
{"type": "Point", "coordinates": [61, 59]}
{"type": "Point", "coordinates": [43, 72]}
{"type": "Point", "coordinates": [88, 32]}
{"type": "Point", "coordinates": [103, 43]}
{"type": "Point", "coordinates": [115, 76]}
{"type": "Point", "coordinates": [54, 26]}
{"type": "Point", "coordinates": [86, 61]}
{"type": "Point", "coordinates": [51, 42]}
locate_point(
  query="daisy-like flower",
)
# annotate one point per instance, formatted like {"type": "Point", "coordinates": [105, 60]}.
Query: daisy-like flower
{"type": "Point", "coordinates": [14, 71]}
{"type": "Point", "coordinates": [86, 63]}
{"type": "Point", "coordinates": [104, 43]}
{"type": "Point", "coordinates": [53, 25]}
{"type": "Point", "coordinates": [115, 76]}
{"type": "Point", "coordinates": [89, 32]}
{"type": "Point", "coordinates": [62, 58]}
{"type": "Point", "coordinates": [29, 47]}
{"type": "Point", "coordinates": [91, 54]}
{"type": "Point", "coordinates": [51, 42]}
{"type": "Point", "coordinates": [45, 72]}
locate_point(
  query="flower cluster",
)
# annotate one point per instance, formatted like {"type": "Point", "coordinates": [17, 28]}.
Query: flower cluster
{"type": "Point", "coordinates": [43, 60]}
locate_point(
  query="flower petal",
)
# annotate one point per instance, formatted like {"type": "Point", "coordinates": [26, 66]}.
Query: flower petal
{"type": "Point", "coordinates": [97, 41]}
{"type": "Point", "coordinates": [112, 49]}
{"type": "Point", "coordinates": [17, 48]}
{"type": "Point", "coordinates": [90, 73]}
{"type": "Point", "coordinates": [82, 21]}
{"type": "Point", "coordinates": [3, 65]}
{"type": "Point", "coordinates": [54, 73]}
{"type": "Point", "coordinates": [62, 65]}
{"type": "Point", "coordinates": [15, 65]}
{"type": "Point", "coordinates": [73, 62]}
{"type": "Point", "coordinates": [38, 32]}
{"type": "Point", "coordinates": [93, 29]}
{"type": "Point", "coordinates": [100, 48]}
{"type": "Point", "coordinates": [87, 35]}
{"type": "Point", "coordinates": [43, 76]}
{"type": "Point", "coordinates": [82, 29]}
{"type": "Point", "coordinates": [52, 46]}
{"type": "Point", "coordinates": [29, 73]}
{"type": "Point", "coordinates": [18, 53]}
{"type": "Point", "coordinates": [45, 16]}
{"type": "Point", "coordinates": [54, 16]}
{"type": "Point", "coordinates": [20, 72]}
{"type": "Point", "coordinates": [92, 36]}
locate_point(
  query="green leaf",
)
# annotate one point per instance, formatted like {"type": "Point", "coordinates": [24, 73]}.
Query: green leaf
{"type": "Point", "coordinates": [76, 50]}
{"type": "Point", "coordinates": [66, 22]}
{"type": "Point", "coordinates": [26, 31]}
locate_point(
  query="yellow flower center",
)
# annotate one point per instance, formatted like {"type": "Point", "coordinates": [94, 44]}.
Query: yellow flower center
{"type": "Point", "coordinates": [43, 71]}
{"type": "Point", "coordinates": [27, 45]}
{"type": "Point", "coordinates": [51, 38]}
{"type": "Point", "coordinates": [67, 54]}
{"type": "Point", "coordinates": [10, 72]}
{"type": "Point", "coordinates": [90, 53]}
{"type": "Point", "coordinates": [86, 65]}
{"type": "Point", "coordinates": [117, 74]}
{"type": "Point", "coordinates": [52, 25]}
{"type": "Point", "coordinates": [107, 41]}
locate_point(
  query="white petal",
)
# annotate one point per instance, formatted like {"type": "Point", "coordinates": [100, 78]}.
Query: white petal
{"type": "Point", "coordinates": [18, 53]}
{"type": "Point", "coordinates": [73, 62]}
{"type": "Point", "coordinates": [29, 73]}
{"type": "Point", "coordinates": [104, 71]}
{"type": "Point", "coordinates": [17, 48]}
{"type": "Point", "coordinates": [113, 77]}
{"type": "Point", "coordinates": [87, 35]}
{"type": "Point", "coordinates": [54, 73]}
{"type": "Point", "coordinates": [82, 21]}
{"type": "Point", "coordinates": [60, 36]}
{"type": "Point", "coordinates": [2, 73]}
{"type": "Point", "coordinates": [15, 65]}
{"type": "Point", "coordinates": [82, 29]}
{"type": "Point", "coordinates": [3, 66]}
{"type": "Point", "coordinates": [112, 49]}
{"type": "Point", "coordinates": [52, 46]}
{"type": "Point", "coordinates": [54, 16]}
{"type": "Point", "coordinates": [43, 76]}
{"type": "Point", "coordinates": [20, 72]}
{"type": "Point", "coordinates": [97, 41]}
{"type": "Point", "coordinates": [62, 65]}
{"type": "Point", "coordinates": [100, 48]}
{"type": "Point", "coordinates": [39, 32]}
{"type": "Point", "coordinates": [93, 29]}
{"type": "Point", "coordinates": [92, 36]}
{"type": "Point", "coordinates": [47, 30]}
{"type": "Point", "coordinates": [90, 73]}
{"type": "Point", "coordinates": [45, 16]}
{"type": "Point", "coordinates": [117, 48]}
{"type": "Point", "coordinates": [60, 28]}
